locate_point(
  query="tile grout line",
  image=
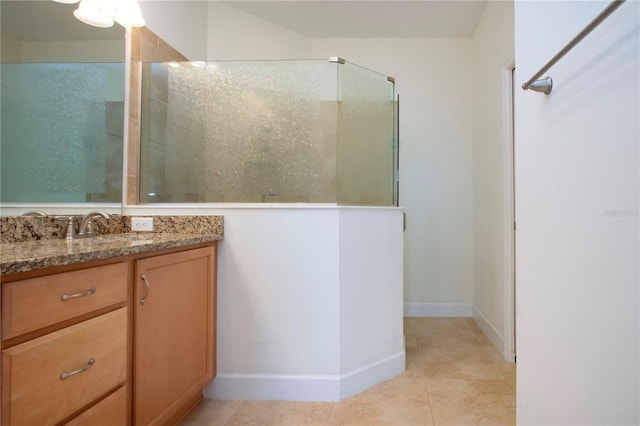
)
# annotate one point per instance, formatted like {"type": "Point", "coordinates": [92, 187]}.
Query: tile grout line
{"type": "Point", "coordinates": [433, 419]}
{"type": "Point", "coordinates": [228, 422]}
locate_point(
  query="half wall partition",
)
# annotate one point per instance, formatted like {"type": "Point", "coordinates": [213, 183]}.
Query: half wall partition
{"type": "Point", "coordinates": [311, 131]}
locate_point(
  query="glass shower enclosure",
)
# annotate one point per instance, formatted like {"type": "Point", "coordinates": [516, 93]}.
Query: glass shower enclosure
{"type": "Point", "coordinates": [311, 131]}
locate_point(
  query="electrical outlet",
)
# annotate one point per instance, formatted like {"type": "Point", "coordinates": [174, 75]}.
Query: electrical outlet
{"type": "Point", "coordinates": [142, 224]}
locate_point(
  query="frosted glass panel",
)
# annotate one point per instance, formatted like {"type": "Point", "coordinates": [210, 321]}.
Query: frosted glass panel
{"type": "Point", "coordinates": [251, 132]}
{"type": "Point", "coordinates": [366, 145]}
{"type": "Point", "coordinates": [62, 132]}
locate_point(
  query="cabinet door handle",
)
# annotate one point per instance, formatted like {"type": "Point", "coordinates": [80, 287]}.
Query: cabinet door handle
{"type": "Point", "coordinates": [146, 289]}
{"type": "Point", "coordinates": [66, 374]}
{"type": "Point", "coordinates": [89, 292]}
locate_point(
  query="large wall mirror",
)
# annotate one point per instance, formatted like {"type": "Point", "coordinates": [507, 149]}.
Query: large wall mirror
{"type": "Point", "coordinates": [62, 108]}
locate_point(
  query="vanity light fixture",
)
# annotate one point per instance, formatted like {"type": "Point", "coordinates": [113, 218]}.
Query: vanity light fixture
{"type": "Point", "coordinates": [103, 13]}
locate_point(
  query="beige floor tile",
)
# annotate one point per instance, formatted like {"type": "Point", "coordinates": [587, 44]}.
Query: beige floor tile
{"type": "Point", "coordinates": [461, 352]}
{"type": "Point", "coordinates": [396, 389]}
{"type": "Point", "coordinates": [438, 325]}
{"type": "Point", "coordinates": [408, 325]}
{"type": "Point", "coordinates": [410, 342]}
{"type": "Point", "coordinates": [508, 369]}
{"type": "Point", "coordinates": [411, 353]}
{"type": "Point", "coordinates": [453, 376]}
{"type": "Point", "coordinates": [446, 339]}
{"type": "Point", "coordinates": [472, 402]}
{"type": "Point", "coordinates": [462, 370]}
{"type": "Point", "coordinates": [398, 401]}
{"type": "Point", "coordinates": [254, 413]}
{"type": "Point", "coordinates": [413, 369]}
{"type": "Point", "coordinates": [481, 338]}
{"type": "Point", "coordinates": [442, 322]}
{"type": "Point", "coordinates": [211, 412]}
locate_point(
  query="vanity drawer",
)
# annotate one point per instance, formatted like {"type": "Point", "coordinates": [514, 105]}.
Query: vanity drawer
{"type": "Point", "coordinates": [111, 411]}
{"type": "Point", "coordinates": [34, 303]}
{"type": "Point", "coordinates": [34, 389]}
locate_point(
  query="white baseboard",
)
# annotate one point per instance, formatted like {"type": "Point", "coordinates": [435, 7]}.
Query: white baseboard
{"type": "Point", "coordinates": [274, 387]}
{"type": "Point", "coordinates": [304, 388]}
{"type": "Point", "coordinates": [488, 329]}
{"type": "Point", "coordinates": [372, 374]}
{"type": "Point", "coordinates": [437, 310]}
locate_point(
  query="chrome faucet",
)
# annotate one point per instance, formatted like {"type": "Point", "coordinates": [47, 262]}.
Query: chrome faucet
{"type": "Point", "coordinates": [86, 225]}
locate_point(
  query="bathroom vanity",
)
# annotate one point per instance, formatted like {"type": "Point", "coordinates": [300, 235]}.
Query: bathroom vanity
{"type": "Point", "coordinates": [114, 331]}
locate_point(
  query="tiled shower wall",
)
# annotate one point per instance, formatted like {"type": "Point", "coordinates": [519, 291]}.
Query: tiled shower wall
{"type": "Point", "coordinates": [145, 46]}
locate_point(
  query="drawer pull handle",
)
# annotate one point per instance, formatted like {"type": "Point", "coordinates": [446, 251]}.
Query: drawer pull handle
{"type": "Point", "coordinates": [89, 292]}
{"type": "Point", "coordinates": [146, 289]}
{"type": "Point", "coordinates": [66, 374]}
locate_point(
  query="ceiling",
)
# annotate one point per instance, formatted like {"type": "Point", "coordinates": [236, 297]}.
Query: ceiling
{"type": "Point", "coordinates": [370, 19]}
{"type": "Point", "coordinates": [51, 21]}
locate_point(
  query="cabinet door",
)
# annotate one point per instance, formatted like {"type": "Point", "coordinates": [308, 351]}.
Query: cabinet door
{"type": "Point", "coordinates": [174, 332]}
{"type": "Point", "coordinates": [48, 378]}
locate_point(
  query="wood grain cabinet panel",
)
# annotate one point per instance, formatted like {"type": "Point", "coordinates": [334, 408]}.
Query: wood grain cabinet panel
{"type": "Point", "coordinates": [115, 352]}
{"type": "Point", "coordinates": [48, 378]}
{"type": "Point", "coordinates": [34, 303]}
{"type": "Point", "coordinates": [111, 411]}
{"type": "Point", "coordinates": [174, 348]}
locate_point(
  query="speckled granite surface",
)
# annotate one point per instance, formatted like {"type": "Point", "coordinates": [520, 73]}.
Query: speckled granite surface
{"type": "Point", "coordinates": [26, 228]}
{"type": "Point", "coordinates": [31, 255]}
{"type": "Point", "coordinates": [184, 224]}
{"type": "Point", "coordinates": [31, 228]}
{"type": "Point", "coordinates": [37, 242]}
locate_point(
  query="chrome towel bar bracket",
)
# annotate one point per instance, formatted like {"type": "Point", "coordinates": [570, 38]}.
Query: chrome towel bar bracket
{"type": "Point", "coordinates": [545, 85]}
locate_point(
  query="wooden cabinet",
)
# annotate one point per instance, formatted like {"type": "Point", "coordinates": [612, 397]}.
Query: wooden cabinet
{"type": "Point", "coordinates": [66, 362]}
{"type": "Point", "coordinates": [110, 411]}
{"type": "Point", "coordinates": [174, 350]}
{"type": "Point", "coordinates": [109, 343]}
{"type": "Point", "coordinates": [48, 378]}
{"type": "Point", "coordinates": [60, 297]}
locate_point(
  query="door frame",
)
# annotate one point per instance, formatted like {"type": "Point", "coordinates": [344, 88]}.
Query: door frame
{"type": "Point", "coordinates": [508, 89]}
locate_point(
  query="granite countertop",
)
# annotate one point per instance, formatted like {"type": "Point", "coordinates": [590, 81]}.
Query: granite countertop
{"type": "Point", "coordinates": [31, 255]}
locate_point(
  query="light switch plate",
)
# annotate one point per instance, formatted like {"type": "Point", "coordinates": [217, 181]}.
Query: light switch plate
{"type": "Point", "coordinates": [144, 224]}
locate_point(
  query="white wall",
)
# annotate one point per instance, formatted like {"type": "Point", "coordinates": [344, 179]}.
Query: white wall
{"type": "Point", "coordinates": [211, 30]}
{"type": "Point", "coordinates": [371, 296]}
{"type": "Point", "coordinates": [309, 300]}
{"type": "Point", "coordinates": [10, 48]}
{"type": "Point", "coordinates": [237, 35]}
{"type": "Point", "coordinates": [577, 209]}
{"type": "Point", "coordinates": [73, 51]}
{"type": "Point", "coordinates": [181, 23]}
{"type": "Point", "coordinates": [277, 289]}
{"type": "Point", "coordinates": [436, 188]}
{"type": "Point", "coordinates": [62, 51]}
{"type": "Point", "coordinates": [493, 52]}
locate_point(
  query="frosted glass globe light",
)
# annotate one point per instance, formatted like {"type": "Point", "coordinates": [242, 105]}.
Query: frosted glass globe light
{"type": "Point", "coordinates": [95, 12]}
{"type": "Point", "coordinates": [127, 13]}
